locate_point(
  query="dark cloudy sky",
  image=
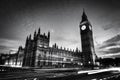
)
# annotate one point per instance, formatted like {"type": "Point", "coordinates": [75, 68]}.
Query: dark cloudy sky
{"type": "Point", "coordinates": [19, 18]}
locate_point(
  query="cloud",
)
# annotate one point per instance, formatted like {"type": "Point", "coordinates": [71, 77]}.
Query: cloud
{"type": "Point", "coordinates": [111, 50]}
{"type": "Point", "coordinates": [5, 49]}
{"type": "Point", "coordinates": [117, 55]}
{"type": "Point", "coordinates": [106, 45]}
{"type": "Point", "coordinates": [114, 50]}
{"type": "Point", "coordinates": [67, 42]}
{"type": "Point", "coordinates": [113, 39]}
{"type": "Point", "coordinates": [108, 26]}
{"type": "Point", "coordinates": [111, 46]}
{"type": "Point", "coordinates": [6, 45]}
{"type": "Point", "coordinates": [111, 42]}
{"type": "Point", "coordinates": [113, 22]}
{"type": "Point", "coordinates": [64, 39]}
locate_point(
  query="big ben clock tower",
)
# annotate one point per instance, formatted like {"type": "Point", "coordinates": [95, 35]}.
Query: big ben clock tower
{"type": "Point", "coordinates": [87, 41]}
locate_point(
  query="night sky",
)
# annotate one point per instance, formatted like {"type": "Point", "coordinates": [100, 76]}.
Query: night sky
{"type": "Point", "coordinates": [19, 18]}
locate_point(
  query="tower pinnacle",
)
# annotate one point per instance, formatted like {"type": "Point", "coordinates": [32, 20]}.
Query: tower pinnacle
{"type": "Point", "coordinates": [84, 16]}
{"type": "Point", "coordinates": [39, 31]}
{"type": "Point", "coordinates": [35, 34]}
{"type": "Point", "coordinates": [49, 34]}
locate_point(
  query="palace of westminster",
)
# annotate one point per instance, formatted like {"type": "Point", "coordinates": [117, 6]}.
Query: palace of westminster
{"type": "Point", "coordinates": [38, 53]}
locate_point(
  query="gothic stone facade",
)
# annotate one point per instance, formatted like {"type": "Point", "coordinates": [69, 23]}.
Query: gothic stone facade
{"type": "Point", "coordinates": [88, 50]}
{"type": "Point", "coordinates": [38, 53]}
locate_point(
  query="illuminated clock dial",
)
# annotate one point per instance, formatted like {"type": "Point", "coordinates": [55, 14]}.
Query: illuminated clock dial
{"type": "Point", "coordinates": [83, 27]}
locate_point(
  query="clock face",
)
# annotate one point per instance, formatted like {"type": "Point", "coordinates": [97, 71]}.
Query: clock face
{"type": "Point", "coordinates": [90, 28]}
{"type": "Point", "coordinates": [83, 27]}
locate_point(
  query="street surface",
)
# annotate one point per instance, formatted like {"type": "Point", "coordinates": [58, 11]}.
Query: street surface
{"type": "Point", "coordinates": [62, 74]}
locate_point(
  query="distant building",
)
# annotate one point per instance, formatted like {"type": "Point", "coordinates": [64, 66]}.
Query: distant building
{"type": "Point", "coordinates": [109, 62]}
{"type": "Point", "coordinates": [15, 59]}
{"type": "Point", "coordinates": [3, 58]}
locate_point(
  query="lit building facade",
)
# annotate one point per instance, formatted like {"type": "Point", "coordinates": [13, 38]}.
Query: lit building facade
{"type": "Point", "coordinates": [38, 53]}
{"type": "Point", "coordinates": [15, 59]}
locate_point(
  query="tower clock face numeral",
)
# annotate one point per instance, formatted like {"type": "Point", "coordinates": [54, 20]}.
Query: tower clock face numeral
{"type": "Point", "coordinates": [83, 27]}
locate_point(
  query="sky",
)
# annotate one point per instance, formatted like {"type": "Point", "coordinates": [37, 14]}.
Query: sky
{"type": "Point", "coordinates": [19, 18]}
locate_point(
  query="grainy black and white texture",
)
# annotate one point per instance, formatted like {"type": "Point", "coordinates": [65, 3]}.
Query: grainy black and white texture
{"type": "Point", "coordinates": [18, 18]}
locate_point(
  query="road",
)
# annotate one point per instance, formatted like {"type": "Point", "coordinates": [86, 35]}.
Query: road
{"type": "Point", "coordinates": [63, 74]}
{"type": "Point", "coordinates": [102, 74]}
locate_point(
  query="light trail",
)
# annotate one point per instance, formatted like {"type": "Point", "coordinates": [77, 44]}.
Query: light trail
{"type": "Point", "coordinates": [100, 70]}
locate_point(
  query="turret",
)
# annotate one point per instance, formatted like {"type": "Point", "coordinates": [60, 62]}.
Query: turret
{"type": "Point", "coordinates": [77, 49]}
{"type": "Point", "coordinates": [73, 50]}
{"type": "Point", "coordinates": [55, 45]}
{"type": "Point", "coordinates": [48, 35]}
{"type": "Point", "coordinates": [84, 17]}
{"type": "Point", "coordinates": [39, 31]}
{"type": "Point", "coordinates": [30, 37]}
{"type": "Point", "coordinates": [44, 34]}
{"type": "Point", "coordinates": [67, 49]}
{"type": "Point", "coordinates": [35, 35]}
{"type": "Point", "coordinates": [20, 48]}
{"type": "Point", "coordinates": [61, 47]}
{"type": "Point", "coordinates": [26, 41]}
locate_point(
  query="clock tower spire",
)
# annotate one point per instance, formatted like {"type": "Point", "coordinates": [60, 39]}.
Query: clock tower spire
{"type": "Point", "coordinates": [84, 17]}
{"type": "Point", "coordinates": [87, 42]}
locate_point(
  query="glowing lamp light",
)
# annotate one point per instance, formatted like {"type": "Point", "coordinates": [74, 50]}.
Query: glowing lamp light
{"type": "Point", "coordinates": [89, 62]}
